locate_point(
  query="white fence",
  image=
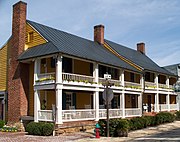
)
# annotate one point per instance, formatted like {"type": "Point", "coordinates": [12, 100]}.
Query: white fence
{"type": "Point", "coordinates": [130, 112]}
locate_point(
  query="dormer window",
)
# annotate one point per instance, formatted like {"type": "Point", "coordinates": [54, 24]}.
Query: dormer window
{"type": "Point", "coordinates": [30, 36]}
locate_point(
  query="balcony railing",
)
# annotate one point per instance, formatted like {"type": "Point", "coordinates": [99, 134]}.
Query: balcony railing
{"type": "Point", "coordinates": [45, 115]}
{"type": "Point", "coordinates": [132, 85]}
{"type": "Point", "coordinates": [115, 82]}
{"type": "Point", "coordinates": [45, 78]}
{"type": "Point", "coordinates": [150, 85]}
{"type": "Point", "coordinates": [163, 86]}
{"type": "Point", "coordinates": [77, 78]}
{"type": "Point", "coordinates": [129, 112]}
{"type": "Point", "coordinates": [74, 115]}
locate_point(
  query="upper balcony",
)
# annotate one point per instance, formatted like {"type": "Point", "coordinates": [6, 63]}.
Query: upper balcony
{"type": "Point", "coordinates": [83, 73]}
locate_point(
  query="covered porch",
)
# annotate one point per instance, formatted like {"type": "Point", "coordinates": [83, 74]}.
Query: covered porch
{"type": "Point", "coordinates": [82, 105]}
{"type": "Point", "coordinates": [156, 102]}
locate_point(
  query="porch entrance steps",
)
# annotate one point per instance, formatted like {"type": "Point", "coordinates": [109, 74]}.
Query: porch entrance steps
{"type": "Point", "coordinates": [75, 126]}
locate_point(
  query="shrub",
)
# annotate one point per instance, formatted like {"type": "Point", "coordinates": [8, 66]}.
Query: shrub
{"type": "Point", "coordinates": [47, 129]}
{"type": "Point", "coordinates": [34, 128]}
{"type": "Point", "coordinates": [177, 115]}
{"type": "Point", "coordinates": [122, 128]}
{"type": "Point", "coordinates": [2, 123]}
{"type": "Point", "coordinates": [41, 128]}
{"type": "Point", "coordinates": [164, 117]}
{"type": "Point", "coordinates": [137, 123]}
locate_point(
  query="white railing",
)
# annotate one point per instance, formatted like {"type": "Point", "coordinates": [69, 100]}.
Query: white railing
{"type": "Point", "coordinates": [45, 115]}
{"type": "Point", "coordinates": [171, 87]}
{"type": "Point", "coordinates": [77, 78]}
{"type": "Point", "coordinates": [74, 115]}
{"type": "Point", "coordinates": [163, 86]}
{"type": "Point", "coordinates": [45, 78]}
{"type": "Point", "coordinates": [113, 113]}
{"type": "Point", "coordinates": [173, 106]}
{"type": "Point", "coordinates": [163, 107]}
{"type": "Point", "coordinates": [151, 85]}
{"type": "Point", "coordinates": [132, 85]}
{"type": "Point", "coordinates": [129, 112]}
{"type": "Point", "coordinates": [115, 82]}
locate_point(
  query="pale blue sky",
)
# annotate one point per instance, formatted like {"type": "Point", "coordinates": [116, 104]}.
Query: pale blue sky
{"type": "Point", "coordinates": [127, 22]}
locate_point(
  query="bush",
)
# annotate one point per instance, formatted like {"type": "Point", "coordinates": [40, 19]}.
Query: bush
{"type": "Point", "coordinates": [47, 129]}
{"type": "Point", "coordinates": [2, 123]}
{"type": "Point", "coordinates": [122, 128]}
{"type": "Point", "coordinates": [137, 123]}
{"type": "Point", "coordinates": [164, 117]}
{"type": "Point", "coordinates": [177, 115]}
{"type": "Point", "coordinates": [40, 128]}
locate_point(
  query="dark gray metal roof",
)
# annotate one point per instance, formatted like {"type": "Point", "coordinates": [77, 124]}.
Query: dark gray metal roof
{"type": "Point", "coordinates": [73, 45]}
{"type": "Point", "coordinates": [173, 68]}
{"type": "Point", "coordinates": [137, 57]}
{"type": "Point", "coordinates": [40, 50]}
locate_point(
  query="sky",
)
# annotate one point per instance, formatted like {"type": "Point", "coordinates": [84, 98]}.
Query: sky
{"type": "Point", "coordinates": [127, 22]}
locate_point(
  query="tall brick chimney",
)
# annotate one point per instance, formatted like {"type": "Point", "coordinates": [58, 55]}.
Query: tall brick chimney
{"type": "Point", "coordinates": [99, 34]}
{"type": "Point", "coordinates": [141, 47]}
{"type": "Point", "coordinates": [17, 72]}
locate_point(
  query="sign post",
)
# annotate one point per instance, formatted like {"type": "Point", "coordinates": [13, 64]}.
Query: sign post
{"type": "Point", "coordinates": [107, 96]}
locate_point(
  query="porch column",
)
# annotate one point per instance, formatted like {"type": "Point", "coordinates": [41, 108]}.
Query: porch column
{"type": "Point", "coordinates": [156, 80]}
{"type": "Point", "coordinates": [36, 104]}
{"type": "Point", "coordinates": [122, 99]}
{"type": "Point", "coordinates": [167, 81]}
{"type": "Point", "coordinates": [167, 102]}
{"type": "Point", "coordinates": [122, 78]}
{"type": "Point", "coordinates": [140, 103]}
{"type": "Point", "coordinates": [37, 69]}
{"type": "Point", "coordinates": [157, 102]}
{"type": "Point", "coordinates": [59, 90]}
{"type": "Point", "coordinates": [37, 65]}
{"type": "Point", "coordinates": [96, 94]}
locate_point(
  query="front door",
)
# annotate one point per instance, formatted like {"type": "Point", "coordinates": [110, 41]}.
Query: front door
{"type": "Point", "coordinates": [149, 103]}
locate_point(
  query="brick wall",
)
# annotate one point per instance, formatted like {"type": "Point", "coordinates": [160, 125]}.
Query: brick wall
{"type": "Point", "coordinates": [17, 72]}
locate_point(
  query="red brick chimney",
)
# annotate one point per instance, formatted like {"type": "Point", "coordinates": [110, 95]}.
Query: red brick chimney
{"type": "Point", "coordinates": [99, 34]}
{"type": "Point", "coordinates": [141, 47]}
{"type": "Point", "coordinates": [18, 73]}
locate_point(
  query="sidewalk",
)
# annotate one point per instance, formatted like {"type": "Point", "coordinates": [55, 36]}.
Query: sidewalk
{"type": "Point", "coordinates": [137, 134]}
{"type": "Point", "coordinates": [88, 136]}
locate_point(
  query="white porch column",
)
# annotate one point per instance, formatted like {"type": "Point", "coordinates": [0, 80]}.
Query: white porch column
{"type": "Point", "coordinates": [157, 102]}
{"type": "Point", "coordinates": [96, 93]}
{"type": "Point", "coordinates": [122, 99]}
{"type": "Point", "coordinates": [59, 90]}
{"type": "Point", "coordinates": [156, 80]}
{"type": "Point", "coordinates": [167, 81]}
{"type": "Point", "coordinates": [140, 102]}
{"type": "Point", "coordinates": [37, 107]}
{"type": "Point", "coordinates": [122, 78]}
{"type": "Point", "coordinates": [36, 104]}
{"type": "Point", "coordinates": [37, 69]}
{"type": "Point", "coordinates": [58, 106]}
{"type": "Point", "coordinates": [167, 101]}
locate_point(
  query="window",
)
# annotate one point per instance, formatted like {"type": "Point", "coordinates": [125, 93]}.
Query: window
{"type": "Point", "coordinates": [69, 100]}
{"type": "Point", "coordinates": [132, 77]}
{"type": "Point", "coordinates": [30, 36]}
{"type": "Point", "coordinates": [53, 62]}
{"type": "Point", "coordinates": [116, 101]}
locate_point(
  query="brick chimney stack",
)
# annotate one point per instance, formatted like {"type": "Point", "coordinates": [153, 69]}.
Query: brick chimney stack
{"type": "Point", "coordinates": [141, 47]}
{"type": "Point", "coordinates": [17, 72]}
{"type": "Point", "coordinates": [99, 34]}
